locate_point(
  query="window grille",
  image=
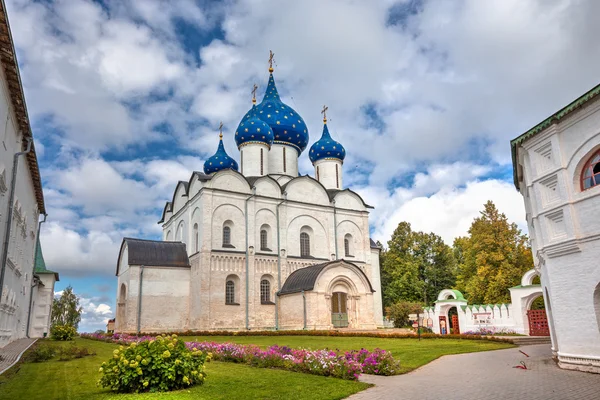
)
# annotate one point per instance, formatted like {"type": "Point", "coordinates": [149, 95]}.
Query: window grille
{"type": "Point", "coordinates": [230, 292]}
{"type": "Point", "coordinates": [304, 244]}
{"type": "Point", "coordinates": [263, 240]}
{"type": "Point", "coordinates": [265, 291]}
{"type": "Point", "coordinates": [226, 236]}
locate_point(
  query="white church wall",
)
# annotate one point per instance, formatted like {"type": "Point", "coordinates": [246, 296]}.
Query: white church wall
{"type": "Point", "coordinates": [267, 187]}
{"type": "Point", "coordinates": [231, 216]}
{"type": "Point", "coordinates": [14, 304]}
{"type": "Point", "coordinates": [230, 181]}
{"type": "Point", "coordinates": [305, 189]}
{"type": "Point", "coordinates": [283, 160]}
{"type": "Point", "coordinates": [194, 186]}
{"type": "Point", "coordinates": [314, 227]}
{"type": "Point", "coordinates": [565, 234]}
{"type": "Point", "coordinates": [254, 159]}
{"type": "Point", "coordinates": [348, 200]}
{"type": "Point", "coordinates": [329, 173]}
{"type": "Point", "coordinates": [165, 299]}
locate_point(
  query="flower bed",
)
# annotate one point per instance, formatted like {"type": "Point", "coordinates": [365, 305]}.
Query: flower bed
{"type": "Point", "coordinates": [344, 365]}
{"type": "Point", "coordinates": [334, 333]}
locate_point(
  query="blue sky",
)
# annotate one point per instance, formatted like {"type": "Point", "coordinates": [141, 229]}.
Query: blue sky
{"type": "Point", "coordinates": [125, 98]}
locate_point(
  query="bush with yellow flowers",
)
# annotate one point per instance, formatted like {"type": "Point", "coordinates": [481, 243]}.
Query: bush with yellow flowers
{"type": "Point", "coordinates": [158, 365]}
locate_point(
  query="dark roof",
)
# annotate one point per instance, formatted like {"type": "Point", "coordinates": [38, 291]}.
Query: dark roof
{"type": "Point", "coordinates": [154, 253]}
{"type": "Point", "coordinates": [201, 176]}
{"type": "Point", "coordinates": [592, 94]}
{"type": "Point", "coordinates": [333, 192]}
{"type": "Point", "coordinates": [374, 244]}
{"type": "Point", "coordinates": [304, 279]}
{"type": "Point", "coordinates": [8, 60]}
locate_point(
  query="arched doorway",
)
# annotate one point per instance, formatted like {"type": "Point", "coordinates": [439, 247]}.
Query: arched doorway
{"type": "Point", "coordinates": [121, 308]}
{"type": "Point", "coordinates": [453, 321]}
{"type": "Point", "coordinates": [339, 309]}
{"type": "Point", "coordinates": [536, 317]}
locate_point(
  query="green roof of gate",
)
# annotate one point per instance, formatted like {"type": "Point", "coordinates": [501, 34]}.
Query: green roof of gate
{"type": "Point", "coordinates": [459, 295]}
{"type": "Point", "coordinates": [554, 118]}
{"type": "Point", "coordinates": [39, 266]}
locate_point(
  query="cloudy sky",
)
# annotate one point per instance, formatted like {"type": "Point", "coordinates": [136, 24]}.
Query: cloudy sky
{"type": "Point", "coordinates": [125, 98]}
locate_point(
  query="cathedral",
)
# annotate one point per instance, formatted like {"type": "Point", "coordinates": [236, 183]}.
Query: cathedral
{"type": "Point", "coordinates": [257, 246]}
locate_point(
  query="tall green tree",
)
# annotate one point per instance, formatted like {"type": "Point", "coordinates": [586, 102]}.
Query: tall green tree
{"type": "Point", "coordinates": [492, 258]}
{"type": "Point", "coordinates": [66, 309]}
{"type": "Point", "coordinates": [415, 267]}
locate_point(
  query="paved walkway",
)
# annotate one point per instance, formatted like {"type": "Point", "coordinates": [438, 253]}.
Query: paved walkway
{"type": "Point", "coordinates": [487, 375]}
{"type": "Point", "coordinates": [10, 353]}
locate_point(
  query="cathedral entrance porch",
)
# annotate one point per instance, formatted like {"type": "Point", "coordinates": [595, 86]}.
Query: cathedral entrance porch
{"type": "Point", "coordinates": [339, 310]}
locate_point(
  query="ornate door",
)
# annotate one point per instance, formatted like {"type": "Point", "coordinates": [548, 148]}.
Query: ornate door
{"type": "Point", "coordinates": [455, 327]}
{"type": "Point", "coordinates": [538, 323]}
{"type": "Point", "coordinates": [339, 310]}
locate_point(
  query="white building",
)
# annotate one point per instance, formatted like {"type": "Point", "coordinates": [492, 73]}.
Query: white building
{"type": "Point", "coordinates": [261, 249]}
{"type": "Point", "coordinates": [21, 203]}
{"type": "Point", "coordinates": [453, 314]}
{"type": "Point", "coordinates": [557, 170]}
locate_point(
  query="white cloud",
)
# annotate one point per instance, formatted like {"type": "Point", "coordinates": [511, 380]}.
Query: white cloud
{"type": "Point", "coordinates": [450, 211]}
{"type": "Point", "coordinates": [446, 89]}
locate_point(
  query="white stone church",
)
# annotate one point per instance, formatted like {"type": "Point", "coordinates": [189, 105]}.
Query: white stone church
{"type": "Point", "coordinates": [257, 246]}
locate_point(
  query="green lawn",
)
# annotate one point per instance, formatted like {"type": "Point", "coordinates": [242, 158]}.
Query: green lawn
{"type": "Point", "coordinates": [76, 379]}
{"type": "Point", "coordinates": [411, 352]}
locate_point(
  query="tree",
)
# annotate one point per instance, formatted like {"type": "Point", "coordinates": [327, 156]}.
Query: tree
{"type": "Point", "coordinates": [492, 258]}
{"type": "Point", "coordinates": [66, 310]}
{"type": "Point", "coordinates": [415, 267]}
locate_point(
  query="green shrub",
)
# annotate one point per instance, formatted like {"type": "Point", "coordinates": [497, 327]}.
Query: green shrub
{"type": "Point", "coordinates": [399, 312]}
{"type": "Point", "coordinates": [63, 332]}
{"type": "Point", "coordinates": [70, 352]}
{"type": "Point", "coordinates": [156, 365]}
{"type": "Point", "coordinates": [40, 353]}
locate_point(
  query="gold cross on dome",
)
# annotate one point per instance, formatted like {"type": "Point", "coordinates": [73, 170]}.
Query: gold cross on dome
{"type": "Point", "coordinates": [254, 93]}
{"type": "Point", "coordinates": [271, 60]}
{"type": "Point", "coordinates": [221, 130]}
{"type": "Point", "coordinates": [324, 112]}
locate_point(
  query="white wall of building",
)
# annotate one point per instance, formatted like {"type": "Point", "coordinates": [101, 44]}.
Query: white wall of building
{"type": "Point", "coordinates": [329, 173]}
{"type": "Point", "coordinates": [14, 304]}
{"type": "Point", "coordinates": [565, 232]}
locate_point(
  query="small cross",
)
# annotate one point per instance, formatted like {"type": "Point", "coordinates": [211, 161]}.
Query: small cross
{"type": "Point", "coordinates": [271, 60]}
{"type": "Point", "coordinates": [324, 112]}
{"type": "Point", "coordinates": [254, 93]}
{"type": "Point", "coordinates": [221, 130]}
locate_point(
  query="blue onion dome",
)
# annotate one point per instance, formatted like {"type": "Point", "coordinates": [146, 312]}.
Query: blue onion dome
{"type": "Point", "coordinates": [326, 147]}
{"type": "Point", "coordinates": [288, 126]}
{"type": "Point", "coordinates": [220, 160]}
{"type": "Point", "coordinates": [253, 130]}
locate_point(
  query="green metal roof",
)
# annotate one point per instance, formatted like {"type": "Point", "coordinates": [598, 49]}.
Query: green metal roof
{"type": "Point", "coordinates": [526, 286]}
{"type": "Point", "coordinates": [39, 266]}
{"type": "Point", "coordinates": [554, 118]}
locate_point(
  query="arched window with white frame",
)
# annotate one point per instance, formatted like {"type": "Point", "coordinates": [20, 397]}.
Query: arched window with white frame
{"type": "Point", "coordinates": [590, 175]}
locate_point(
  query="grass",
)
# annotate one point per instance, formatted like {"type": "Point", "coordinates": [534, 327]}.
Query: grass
{"type": "Point", "coordinates": [411, 352]}
{"type": "Point", "coordinates": [76, 379]}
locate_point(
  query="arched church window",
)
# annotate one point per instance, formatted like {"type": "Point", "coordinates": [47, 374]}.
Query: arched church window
{"type": "Point", "coordinates": [304, 244]}
{"type": "Point", "coordinates": [337, 177]}
{"type": "Point", "coordinates": [284, 161]}
{"type": "Point", "coordinates": [348, 245]}
{"type": "Point", "coordinates": [590, 175]}
{"type": "Point", "coordinates": [318, 178]}
{"type": "Point", "coordinates": [226, 236]}
{"type": "Point", "coordinates": [230, 292]}
{"type": "Point", "coordinates": [263, 240]}
{"type": "Point", "coordinates": [265, 291]}
{"type": "Point", "coordinates": [196, 239]}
